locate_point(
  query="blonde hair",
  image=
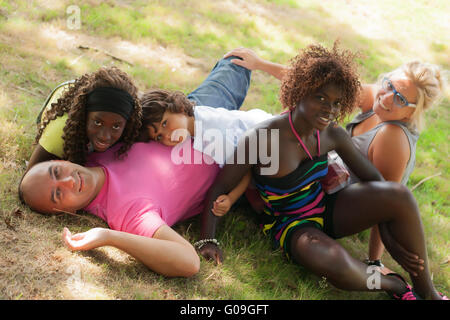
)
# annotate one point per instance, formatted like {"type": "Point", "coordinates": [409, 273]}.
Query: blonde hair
{"type": "Point", "coordinates": [430, 85]}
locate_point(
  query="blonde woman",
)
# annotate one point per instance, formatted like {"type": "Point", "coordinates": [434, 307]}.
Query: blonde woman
{"type": "Point", "coordinates": [387, 129]}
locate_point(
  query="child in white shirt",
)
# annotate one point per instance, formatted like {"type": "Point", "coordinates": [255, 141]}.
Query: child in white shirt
{"type": "Point", "coordinates": [170, 118]}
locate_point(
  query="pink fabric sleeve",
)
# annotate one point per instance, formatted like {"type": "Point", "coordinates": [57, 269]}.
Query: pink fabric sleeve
{"type": "Point", "coordinates": [144, 219]}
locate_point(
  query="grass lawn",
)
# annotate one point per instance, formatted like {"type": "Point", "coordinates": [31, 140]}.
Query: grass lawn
{"type": "Point", "coordinates": [173, 44]}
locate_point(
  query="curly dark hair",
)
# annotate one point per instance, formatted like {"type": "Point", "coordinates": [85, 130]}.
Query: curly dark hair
{"type": "Point", "coordinates": [73, 102]}
{"type": "Point", "coordinates": [315, 67]}
{"type": "Point", "coordinates": [157, 101]}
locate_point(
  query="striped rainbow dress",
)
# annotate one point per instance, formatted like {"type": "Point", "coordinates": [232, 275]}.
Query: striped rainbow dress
{"type": "Point", "coordinates": [295, 200]}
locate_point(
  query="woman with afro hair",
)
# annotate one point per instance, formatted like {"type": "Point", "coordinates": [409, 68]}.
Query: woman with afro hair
{"type": "Point", "coordinates": [299, 218]}
{"type": "Point", "coordinates": [388, 126]}
{"type": "Point", "coordinates": [91, 113]}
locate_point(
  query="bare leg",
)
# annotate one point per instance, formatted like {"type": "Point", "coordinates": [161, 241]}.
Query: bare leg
{"type": "Point", "coordinates": [361, 206]}
{"type": "Point", "coordinates": [376, 246]}
{"type": "Point", "coordinates": [324, 256]}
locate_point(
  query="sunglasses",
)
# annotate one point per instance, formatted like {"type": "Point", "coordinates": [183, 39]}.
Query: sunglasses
{"type": "Point", "coordinates": [399, 99]}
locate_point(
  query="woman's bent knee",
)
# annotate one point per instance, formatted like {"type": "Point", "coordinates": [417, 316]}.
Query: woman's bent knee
{"type": "Point", "coordinates": [390, 194]}
{"type": "Point", "coordinates": [325, 258]}
{"type": "Point", "coordinates": [314, 249]}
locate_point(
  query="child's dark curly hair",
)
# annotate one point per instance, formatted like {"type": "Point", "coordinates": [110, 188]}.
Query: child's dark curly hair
{"type": "Point", "coordinates": [73, 102]}
{"type": "Point", "coordinates": [156, 102]}
{"type": "Point", "coordinates": [316, 67]}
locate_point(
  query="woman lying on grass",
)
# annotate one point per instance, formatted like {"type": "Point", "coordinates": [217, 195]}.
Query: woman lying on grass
{"type": "Point", "coordinates": [387, 129]}
{"type": "Point", "coordinates": [100, 109]}
{"type": "Point", "coordinates": [88, 114]}
{"type": "Point", "coordinates": [303, 221]}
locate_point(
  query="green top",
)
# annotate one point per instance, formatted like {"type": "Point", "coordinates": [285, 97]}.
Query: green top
{"type": "Point", "coordinates": [51, 139]}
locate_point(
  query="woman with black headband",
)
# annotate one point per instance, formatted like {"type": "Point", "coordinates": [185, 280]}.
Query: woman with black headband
{"type": "Point", "coordinates": [97, 110]}
{"type": "Point", "coordinates": [88, 114]}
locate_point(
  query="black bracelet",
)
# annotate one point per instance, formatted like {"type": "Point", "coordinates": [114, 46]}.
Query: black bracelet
{"type": "Point", "coordinates": [374, 263]}
{"type": "Point", "coordinates": [199, 244]}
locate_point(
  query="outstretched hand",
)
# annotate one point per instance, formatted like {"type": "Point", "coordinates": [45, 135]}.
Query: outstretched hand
{"type": "Point", "coordinates": [249, 58]}
{"type": "Point", "coordinates": [211, 252]}
{"type": "Point", "coordinates": [88, 240]}
{"type": "Point", "coordinates": [409, 261]}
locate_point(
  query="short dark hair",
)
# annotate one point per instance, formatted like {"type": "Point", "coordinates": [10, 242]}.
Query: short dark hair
{"type": "Point", "coordinates": [156, 102]}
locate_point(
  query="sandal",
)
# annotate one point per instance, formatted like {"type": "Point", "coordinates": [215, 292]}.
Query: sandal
{"type": "Point", "coordinates": [409, 294]}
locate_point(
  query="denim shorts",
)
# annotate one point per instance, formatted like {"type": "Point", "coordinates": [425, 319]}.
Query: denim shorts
{"type": "Point", "coordinates": [226, 86]}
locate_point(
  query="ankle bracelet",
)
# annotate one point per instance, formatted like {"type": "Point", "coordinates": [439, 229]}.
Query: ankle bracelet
{"type": "Point", "coordinates": [374, 263]}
